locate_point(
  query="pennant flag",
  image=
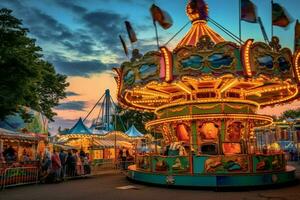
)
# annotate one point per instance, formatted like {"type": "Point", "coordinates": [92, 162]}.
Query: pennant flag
{"type": "Point", "coordinates": [161, 16]}
{"type": "Point", "coordinates": [130, 31]}
{"type": "Point", "coordinates": [297, 35]}
{"type": "Point", "coordinates": [279, 16]}
{"type": "Point", "coordinates": [124, 45]}
{"type": "Point", "coordinates": [248, 11]}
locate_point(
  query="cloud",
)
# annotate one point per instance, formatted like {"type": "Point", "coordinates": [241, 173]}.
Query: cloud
{"type": "Point", "coordinates": [70, 5]}
{"type": "Point", "coordinates": [71, 105]}
{"type": "Point", "coordinates": [70, 94]}
{"type": "Point", "coordinates": [80, 67]}
{"type": "Point", "coordinates": [60, 122]}
{"type": "Point", "coordinates": [105, 27]}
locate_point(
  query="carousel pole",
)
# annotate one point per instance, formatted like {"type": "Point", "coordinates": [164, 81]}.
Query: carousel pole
{"type": "Point", "coordinates": [191, 152]}
{"type": "Point", "coordinates": [240, 20]}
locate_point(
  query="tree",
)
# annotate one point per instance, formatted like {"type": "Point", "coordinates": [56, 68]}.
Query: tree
{"type": "Point", "coordinates": [293, 114]}
{"type": "Point", "coordinates": [132, 117]}
{"type": "Point", "coordinates": [26, 80]}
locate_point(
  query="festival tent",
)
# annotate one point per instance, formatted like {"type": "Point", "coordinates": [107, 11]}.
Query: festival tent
{"type": "Point", "coordinates": [133, 132]}
{"type": "Point", "coordinates": [79, 128]}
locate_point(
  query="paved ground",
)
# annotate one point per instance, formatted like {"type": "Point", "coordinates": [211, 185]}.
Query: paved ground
{"type": "Point", "coordinates": [103, 187]}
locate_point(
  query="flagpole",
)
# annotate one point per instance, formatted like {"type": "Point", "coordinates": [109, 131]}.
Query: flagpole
{"type": "Point", "coordinates": [240, 20]}
{"type": "Point", "coordinates": [156, 34]}
{"type": "Point", "coordinates": [272, 28]}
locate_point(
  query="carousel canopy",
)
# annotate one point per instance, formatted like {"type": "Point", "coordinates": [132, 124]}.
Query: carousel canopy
{"type": "Point", "coordinates": [133, 132]}
{"type": "Point", "coordinates": [79, 128]}
{"type": "Point", "coordinates": [199, 27]}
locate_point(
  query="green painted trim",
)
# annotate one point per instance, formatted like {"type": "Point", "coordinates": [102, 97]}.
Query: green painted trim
{"type": "Point", "coordinates": [194, 136]}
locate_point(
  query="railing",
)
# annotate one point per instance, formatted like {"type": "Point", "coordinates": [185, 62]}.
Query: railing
{"type": "Point", "coordinates": [18, 176]}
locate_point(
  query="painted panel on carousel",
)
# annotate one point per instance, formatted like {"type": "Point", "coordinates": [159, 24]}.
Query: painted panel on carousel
{"type": "Point", "coordinates": [208, 131]}
{"type": "Point", "coordinates": [234, 131]}
{"type": "Point", "coordinates": [230, 148]}
{"type": "Point", "coordinates": [226, 164]}
{"type": "Point", "coordinates": [271, 61]}
{"type": "Point", "coordinates": [207, 58]}
{"type": "Point", "coordinates": [268, 162]}
{"type": "Point", "coordinates": [175, 164]}
{"type": "Point", "coordinates": [183, 131]}
{"type": "Point", "coordinates": [141, 69]}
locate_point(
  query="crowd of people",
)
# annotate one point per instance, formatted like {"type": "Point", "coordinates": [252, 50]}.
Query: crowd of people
{"type": "Point", "coordinates": [56, 166]}
{"type": "Point", "coordinates": [125, 158]}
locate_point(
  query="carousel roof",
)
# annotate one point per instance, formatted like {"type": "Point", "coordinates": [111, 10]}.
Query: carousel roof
{"type": "Point", "coordinates": [79, 128]}
{"type": "Point", "coordinates": [133, 132]}
{"type": "Point", "coordinates": [198, 17]}
{"type": "Point", "coordinates": [198, 30]}
{"type": "Point", "coordinates": [205, 68]}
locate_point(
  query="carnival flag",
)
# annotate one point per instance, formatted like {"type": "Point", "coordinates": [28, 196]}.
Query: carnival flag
{"type": "Point", "coordinates": [161, 16]}
{"type": "Point", "coordinates": [124, 45]}
{"type": "Point", "coordinates": [297, 35]}
{"type": "Point", "coordinates": [279, 16]}
{"type": "Point", "coordinates": [248, 11]}
{"type": "Point", "coordinates": [130, 31]}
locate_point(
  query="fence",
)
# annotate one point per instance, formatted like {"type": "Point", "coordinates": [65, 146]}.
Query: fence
{"type": "Point", "coordinates": [14, 176]}
{"type": "Point", "coordinates": [18, 176]}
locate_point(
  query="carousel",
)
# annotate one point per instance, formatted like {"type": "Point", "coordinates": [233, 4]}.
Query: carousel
{"type": "Point", "coordinates": [206, 94]}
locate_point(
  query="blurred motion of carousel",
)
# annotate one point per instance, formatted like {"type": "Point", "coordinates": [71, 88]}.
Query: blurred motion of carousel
{"type": "Point", "coordinates": [206, 94]}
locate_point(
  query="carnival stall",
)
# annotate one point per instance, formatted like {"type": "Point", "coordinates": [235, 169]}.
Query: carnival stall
{"type": "Point", "coordinates": [20, 156]}
{"type": "Point", "coordinates": [282, 134]}
{"type": "Point", "coordinates": [205, 94]}
{"type": "Point", "coordinates": [99, 146]}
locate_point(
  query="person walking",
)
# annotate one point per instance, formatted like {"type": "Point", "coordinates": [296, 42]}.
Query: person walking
{"type": "Point", "coordinates": [70, 164]}
{"type": "Point", "coordinates": [79, 166]}
{"type": "Point", "coordinates": [56, 165]}
{"type": "Point", "coordinates": [86, 164]}
{"type": "Point", "coordinates": [124, 158]}
{"type": "Point", "coordinates": [63, 159]}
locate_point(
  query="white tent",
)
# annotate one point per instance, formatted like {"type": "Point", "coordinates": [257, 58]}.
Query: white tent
{"type": "Point", "coordinates": [133, 132]}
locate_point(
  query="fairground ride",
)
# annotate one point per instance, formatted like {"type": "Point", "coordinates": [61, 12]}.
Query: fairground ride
{"type": "Point", "coordinates": [205, 94]}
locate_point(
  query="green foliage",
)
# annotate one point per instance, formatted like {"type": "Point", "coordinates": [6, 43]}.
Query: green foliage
{"type": "Point", "coordinates": [132, 117]}
{"type": "Point", "coordinates": [26, 80]}
{"type": "Point", "coordinates": [293, 114]}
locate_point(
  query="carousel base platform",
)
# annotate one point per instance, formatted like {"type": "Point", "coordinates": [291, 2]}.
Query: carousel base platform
{"type": "Point", "coordinates": [214, 180]}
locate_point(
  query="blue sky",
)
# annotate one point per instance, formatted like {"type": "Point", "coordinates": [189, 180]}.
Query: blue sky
{"type": "Point", "coordinates": [81, 37]}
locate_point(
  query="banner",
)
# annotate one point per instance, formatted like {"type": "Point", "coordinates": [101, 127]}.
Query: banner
{"type": "Point", "coordinates": [248, 11]}
{"type": "Point", "coordinates": [161, 16]}
{"type": "Point", "coordinates": [130, 31]}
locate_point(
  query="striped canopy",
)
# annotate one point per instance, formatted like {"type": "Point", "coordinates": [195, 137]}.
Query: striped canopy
{"type": "Point", "coordinates": [199, 29]}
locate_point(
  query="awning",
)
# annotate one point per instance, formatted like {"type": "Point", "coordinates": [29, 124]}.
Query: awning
{"type": "Point", "coordinates": [10, 135]}
{"type": "Point", "coordinates": [103, 144]}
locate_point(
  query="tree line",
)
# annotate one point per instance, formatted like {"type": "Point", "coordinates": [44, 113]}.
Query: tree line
{"type": "Point", "coordinates": [26, 78]}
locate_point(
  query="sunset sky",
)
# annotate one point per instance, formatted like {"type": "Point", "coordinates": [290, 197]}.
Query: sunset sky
{"type": "Point", "coordinates": [81, 39]}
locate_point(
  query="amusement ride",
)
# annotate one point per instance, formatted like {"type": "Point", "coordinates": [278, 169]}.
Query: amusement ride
{"type": "Point", "coordinates": [206, 94]}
